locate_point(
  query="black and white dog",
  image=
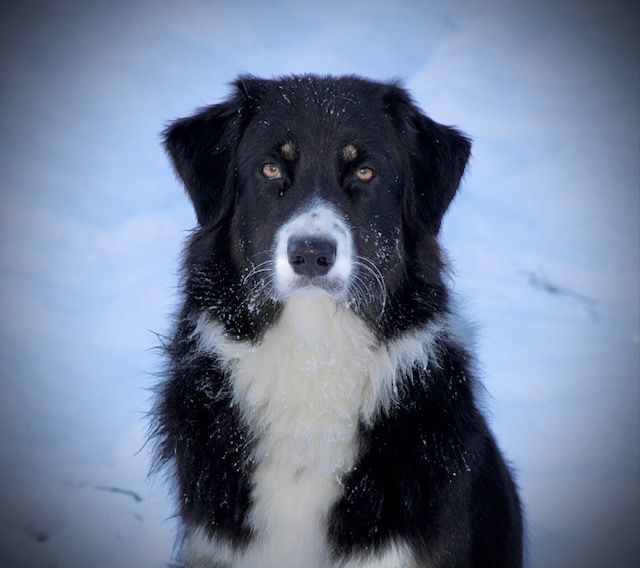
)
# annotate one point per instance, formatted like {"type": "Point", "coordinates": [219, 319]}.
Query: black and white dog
{"type": "Point", "coordinates": [318, 409]}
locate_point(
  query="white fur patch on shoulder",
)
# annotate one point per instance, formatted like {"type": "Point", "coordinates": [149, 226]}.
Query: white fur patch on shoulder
{"type": "Point", "coordinates": [394, 556]}
{"type": "Point", "coordinates": [396, 361]}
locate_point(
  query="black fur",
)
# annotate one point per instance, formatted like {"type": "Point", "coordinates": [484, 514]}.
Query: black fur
{"type": "Point", "coordinates": [428, 469]}
{"type": "Point", "coordinates": [430, 473]}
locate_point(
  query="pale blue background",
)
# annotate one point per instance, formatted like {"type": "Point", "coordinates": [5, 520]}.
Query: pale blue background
{"type": "Point", "coordinates": [93, 221]}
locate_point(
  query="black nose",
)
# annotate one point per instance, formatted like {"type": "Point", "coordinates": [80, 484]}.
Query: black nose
{"type": "Point", "coordinates": [311, 256]}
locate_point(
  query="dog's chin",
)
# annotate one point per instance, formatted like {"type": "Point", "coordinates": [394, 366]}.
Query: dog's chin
{"type": "Point", "coordinates": [321, 288]}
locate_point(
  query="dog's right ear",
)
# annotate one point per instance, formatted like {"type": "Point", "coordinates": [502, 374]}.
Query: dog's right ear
{"type": "Point", "coordinates": [202, 149]}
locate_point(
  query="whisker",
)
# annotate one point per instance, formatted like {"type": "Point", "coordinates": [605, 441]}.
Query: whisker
{"type": "Point", "coordinates": [257, 268]}
{"type": "Point", "coordinates": [362, 286]}
{"type": "Point", "coordinates": [358, 288]}
{"type": "Point", "coordinates": [370, 267]}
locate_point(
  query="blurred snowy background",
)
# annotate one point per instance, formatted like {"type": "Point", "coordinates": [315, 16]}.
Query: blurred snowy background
{"type": "Point", "coordinates": [544, 238]}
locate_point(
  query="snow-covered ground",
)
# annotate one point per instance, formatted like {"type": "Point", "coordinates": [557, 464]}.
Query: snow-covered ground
{"type": "Point", "coordinates": [544, 239]}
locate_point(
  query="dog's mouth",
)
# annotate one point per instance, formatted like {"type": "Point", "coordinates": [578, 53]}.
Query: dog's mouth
{"type": "Point", "coordinates": [265, 284]}
{"type": "Point", "coordinates": [363, 291]}
{"type": "Point", "coordinates": [318, 286]}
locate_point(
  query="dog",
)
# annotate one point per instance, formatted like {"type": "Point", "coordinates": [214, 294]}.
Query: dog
{"type": "Point", "coordinates": [318, 408]}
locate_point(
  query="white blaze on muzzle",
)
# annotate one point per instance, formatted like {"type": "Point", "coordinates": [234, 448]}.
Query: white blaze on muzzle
{"type": "Point", "coordinates": [313, 253]}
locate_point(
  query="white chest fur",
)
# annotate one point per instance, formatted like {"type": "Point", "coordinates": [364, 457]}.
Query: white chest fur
{"type": "Point", "coordinates": [303, 390]}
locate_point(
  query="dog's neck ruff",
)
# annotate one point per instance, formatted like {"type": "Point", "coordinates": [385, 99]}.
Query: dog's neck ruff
{"type": "Point", "coordinates": [303, 391]}
{"type": "Point", "coordinates": [316, 340]}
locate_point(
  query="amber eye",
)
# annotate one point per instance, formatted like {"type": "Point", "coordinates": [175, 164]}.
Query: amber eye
{"type": "Point", "coordinates": [365, 174]}
{"type": "Point", "coordinates": [271, 171]}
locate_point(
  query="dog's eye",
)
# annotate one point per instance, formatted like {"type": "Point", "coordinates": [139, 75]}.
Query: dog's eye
{"type": "Point", "coordinates": [365, 174]}
{"type": "Point", "coordinates": [271, 171]}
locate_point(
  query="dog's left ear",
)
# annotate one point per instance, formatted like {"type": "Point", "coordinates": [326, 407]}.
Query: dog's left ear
{"type": "Point", "coordinates": [438, 163]}
{"type": "Point", "coordinates": [438, 156]}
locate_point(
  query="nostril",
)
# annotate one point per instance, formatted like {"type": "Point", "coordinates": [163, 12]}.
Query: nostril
{"type": "Point", "coordinates": [322, 261]}
{"type": "Point", "coordinates": [296, 260]}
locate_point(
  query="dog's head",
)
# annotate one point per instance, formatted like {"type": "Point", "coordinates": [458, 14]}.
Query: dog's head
{"type": "Point", "coordinates": [321, 185]}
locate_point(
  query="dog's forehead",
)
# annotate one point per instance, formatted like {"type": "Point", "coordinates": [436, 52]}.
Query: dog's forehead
{"type": "Point", "coordinates": [315, 112]}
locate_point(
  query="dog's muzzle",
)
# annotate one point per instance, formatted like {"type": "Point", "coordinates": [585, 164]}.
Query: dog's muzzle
{"type": "Point", "coordinates": [313, 252]}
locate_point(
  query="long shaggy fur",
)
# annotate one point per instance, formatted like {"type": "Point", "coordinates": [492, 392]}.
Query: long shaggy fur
{"type": "Point", "coordinates": [325, 422]}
